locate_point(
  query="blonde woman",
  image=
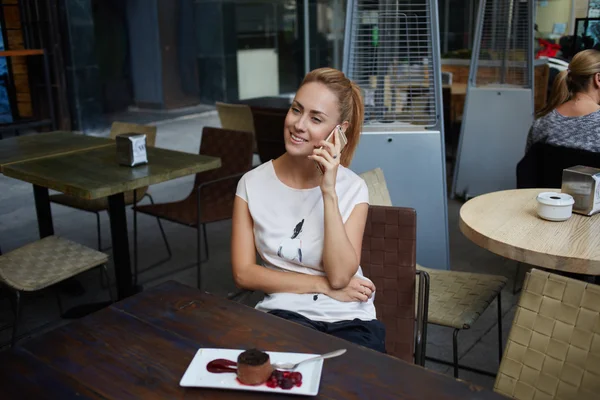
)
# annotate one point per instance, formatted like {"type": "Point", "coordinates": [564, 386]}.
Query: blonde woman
{"type": "Point", "coordinates": [572, 116]}
{"type": "Point", "coordinates": [306, 226]}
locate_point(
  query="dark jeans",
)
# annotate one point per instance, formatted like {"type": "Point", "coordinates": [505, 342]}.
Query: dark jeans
{"type": "Point", "coordinates": [369, 334]}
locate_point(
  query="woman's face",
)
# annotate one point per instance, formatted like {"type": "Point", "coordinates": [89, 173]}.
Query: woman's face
{"type": "Point", "coordinates": [311, 118]}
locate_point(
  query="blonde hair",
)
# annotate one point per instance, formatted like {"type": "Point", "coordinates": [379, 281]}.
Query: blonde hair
{"type": "Point", "coordinates": [350, 105]}
{"type": "Point", "coordinates": [576, 79]}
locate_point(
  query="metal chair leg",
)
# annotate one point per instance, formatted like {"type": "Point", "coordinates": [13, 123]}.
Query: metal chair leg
{"type": "Point", "coordinates": [59, 301]}
{"type": "Point", "coordinates": [136, 270]}
{"type": "Point", "coordinates": [205, 240]}
{"type": "Point", "coordinates": [499, 299]}
{"type": "Point", "coordinates": [199, 257]}
{"type": "Point", "coordinates": [455, 351]}
{"type": "Point", "coordinates": [517, 273]}
{"type": "Point", "coordinates": [17, 312]}
{"type": "Point", "coordinates": [105, 272]}
{"type": "Point", "coordinates": [135, 240]}
{"type": "Point", "coordinates": [98, 231]}
{"type": "Point", "coordinates": [422, 313]}
{"type": "Point", "coordinates": [104, 282]}
{"type": "Point", "coordinates": [162, 230]}
{"type": "Point", "coordinates": [200, 227]}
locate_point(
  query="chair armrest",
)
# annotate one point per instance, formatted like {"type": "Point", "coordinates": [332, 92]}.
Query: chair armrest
{"type": "Point", "coordinates": [212, 182]}
{"type": "Point", "coordinates": [422, 312]}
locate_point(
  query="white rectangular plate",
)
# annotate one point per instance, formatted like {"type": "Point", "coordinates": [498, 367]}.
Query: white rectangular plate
{"type": "Point", "coordinates": [196, 374]}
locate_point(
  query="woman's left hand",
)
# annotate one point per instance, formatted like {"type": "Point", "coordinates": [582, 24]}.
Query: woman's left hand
{"type": "Point", "coordinates": [329, 158]}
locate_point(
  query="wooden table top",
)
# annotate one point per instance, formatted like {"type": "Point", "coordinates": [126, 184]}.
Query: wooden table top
{"type": "Point", "coordinates": [95, 173]}
{"type": "Point", "coordinates": [141, 347]}
{"type": "Point", "coordinates": [506, 223]}
{"type": "Point", "coordinates": [32, 147]}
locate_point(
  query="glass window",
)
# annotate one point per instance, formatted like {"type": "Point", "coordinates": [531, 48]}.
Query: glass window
{"type": "Point", "coordinates": [458, 19]}
{"type": "Point", "coordinates": [270, 43]}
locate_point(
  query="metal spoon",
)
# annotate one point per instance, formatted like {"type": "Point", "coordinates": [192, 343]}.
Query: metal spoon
{"type": "Point", "coordinates": [321, 357]}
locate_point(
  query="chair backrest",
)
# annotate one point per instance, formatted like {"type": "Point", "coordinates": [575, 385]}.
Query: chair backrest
{"type": "Point", "coordinates": [236, 117]}
{"type": "Point", "coordinates": [543, 165]}
{"type": "Point", "coordinates": [268, 128]}
{"type": "Point", "coordinates": [553, 349]}
{"type": "Point", "coordinates": [118, 128]}
{"type": "Point", "coordinates": [379, 194]}
{"type": "Point", "coordinates": [234, 148]}
{"type": "Point", "coordinates": [389, 260]}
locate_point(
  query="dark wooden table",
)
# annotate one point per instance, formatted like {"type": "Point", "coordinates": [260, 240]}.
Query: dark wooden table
{"type": "Point", "coordinates": [93, 174]}
{"type": "Point", "coordinates": [140, 348]}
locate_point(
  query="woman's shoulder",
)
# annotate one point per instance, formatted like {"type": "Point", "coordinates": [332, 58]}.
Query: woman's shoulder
{"type": "Point", "coordinates": [349, 176]}
{"type": "Point", "coordinates": [551, 117]}
{"type": "Point", "coordinates": [258, 172]}
{"type": "Point", "coordinates": [348, 179]}
{"type": "Point", "coordinates": [556, 122]}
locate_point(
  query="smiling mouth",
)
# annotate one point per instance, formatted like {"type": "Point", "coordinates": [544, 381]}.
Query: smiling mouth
{"type": "Point", "coordinates": [297, 139]}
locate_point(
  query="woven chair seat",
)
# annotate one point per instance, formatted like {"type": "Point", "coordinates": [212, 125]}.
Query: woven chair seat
{"type": "Point", "coordinates": [457, 299]}
{"type": "Point", "coordinates": [45, 262]}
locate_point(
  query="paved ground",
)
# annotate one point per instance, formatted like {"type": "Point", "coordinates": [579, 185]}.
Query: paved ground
{"type": "Point", "coordinates": [477, 347]}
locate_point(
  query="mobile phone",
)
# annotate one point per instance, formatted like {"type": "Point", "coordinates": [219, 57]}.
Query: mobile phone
{"type": "Point", "coordinates": [331, 138]}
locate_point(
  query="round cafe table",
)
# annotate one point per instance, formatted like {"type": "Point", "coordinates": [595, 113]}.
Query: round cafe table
{"type": "Point", "coordinates": [506, 223]}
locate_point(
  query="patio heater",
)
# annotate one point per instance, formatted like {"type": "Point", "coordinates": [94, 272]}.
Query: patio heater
{"type": "Point", "coordinates": [391, 50]}
{"type": "Point", "coordinates": [499, 106]}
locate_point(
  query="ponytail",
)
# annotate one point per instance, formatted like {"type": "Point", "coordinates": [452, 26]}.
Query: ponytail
{"type": "Point", "coordinates": [355, 125]}
{"type": "Point", "coordinates": [560, 94]}
{"type": "Point", "coordinates": [576, 79]}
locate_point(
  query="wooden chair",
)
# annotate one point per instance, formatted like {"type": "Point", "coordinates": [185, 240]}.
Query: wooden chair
{"type": "Point", "coordinates": [212, 196]}
{"type": "Point", "coordinates": [379, 194]}
{"type": "Point", "coordinates": [268, 128]}
{"type": "Point", "coordinates": [236, 117]}
{"type": "Point", "coordinates": [131, 197]}
{"type": "Point", "coordinates": [553, 349]}
{"type": "Point", "coordinates": [44, 263]}
{"type": "Point", "coordinates": [389, 260]}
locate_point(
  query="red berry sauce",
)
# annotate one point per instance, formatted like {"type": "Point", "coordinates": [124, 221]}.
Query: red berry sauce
{"type": "Point", "coordinates": [283, 379]}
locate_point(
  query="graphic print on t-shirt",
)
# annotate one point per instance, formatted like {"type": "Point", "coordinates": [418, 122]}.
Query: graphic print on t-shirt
{"type": "Point", "coordinates": [291, 249]}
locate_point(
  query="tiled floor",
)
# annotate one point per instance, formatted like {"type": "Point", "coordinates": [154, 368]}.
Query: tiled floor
{"type": "Point", "coordinates": [18, 226]}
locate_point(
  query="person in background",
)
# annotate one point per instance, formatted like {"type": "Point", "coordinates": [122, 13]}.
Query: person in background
{"type": "Point", "coordinates": [306, 226]}
{"type": "Point", "coordinates": [571, 117]}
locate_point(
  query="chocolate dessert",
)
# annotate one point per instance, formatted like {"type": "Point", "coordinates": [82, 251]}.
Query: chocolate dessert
{"type": "Point", "coordinates": [254, 367]}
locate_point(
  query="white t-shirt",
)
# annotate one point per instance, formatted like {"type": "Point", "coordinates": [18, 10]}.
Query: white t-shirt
{"type": "Point", "coordinates": [288, 234]}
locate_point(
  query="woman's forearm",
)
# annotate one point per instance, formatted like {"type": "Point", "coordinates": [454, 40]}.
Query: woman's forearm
{"type": "Point", "coordinates": [339, 256]}
{"type": "Point", "coordinates": [257, 277]}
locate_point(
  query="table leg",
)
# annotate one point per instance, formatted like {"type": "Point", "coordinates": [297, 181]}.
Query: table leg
{"type": "Point", "coordinates": [44, 213]}
{"type": "Point", "coordinates": [120, 244]}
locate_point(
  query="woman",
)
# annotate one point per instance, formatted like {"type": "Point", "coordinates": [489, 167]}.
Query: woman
{"type": "Point", "coordinates": [572, 116]}
{"type": "Point", "coordinates": [307, 226]}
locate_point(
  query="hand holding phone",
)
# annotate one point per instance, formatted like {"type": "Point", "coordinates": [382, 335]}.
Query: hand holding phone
{"type": "Point", "coordinates": [331, 139]}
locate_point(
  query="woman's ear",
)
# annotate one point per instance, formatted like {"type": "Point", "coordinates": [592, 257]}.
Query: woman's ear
{"type": "Point", "coordinates": [345, 125]}
{"type": "Point", "coordinates": [597, 80]}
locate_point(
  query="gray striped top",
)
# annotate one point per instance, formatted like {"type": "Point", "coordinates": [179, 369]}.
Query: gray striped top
{"type": "Point", "coordinates": [573, 132]}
